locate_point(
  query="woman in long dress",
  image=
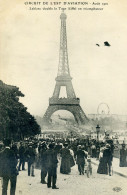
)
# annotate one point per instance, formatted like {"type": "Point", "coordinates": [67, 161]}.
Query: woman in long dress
{"type": "Point", "coordinates": [102, 167]}
{"type": "Point", "coordinates": [65, 167]}
{"type": "Point", "coordinates": [106, 161]}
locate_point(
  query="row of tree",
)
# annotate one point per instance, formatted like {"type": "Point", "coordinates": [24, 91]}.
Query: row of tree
{"type": "Point", "coordinates": [15, 121]}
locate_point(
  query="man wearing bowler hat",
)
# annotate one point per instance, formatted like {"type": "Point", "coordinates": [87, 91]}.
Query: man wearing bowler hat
{"type": "Point", "coordinates": [51, 159]}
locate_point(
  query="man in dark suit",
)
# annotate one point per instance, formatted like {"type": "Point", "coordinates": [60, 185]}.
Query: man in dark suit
{"type": "Point", "coordinates": [30, 155]}
{"type": "Point", "coordinates": [21, 156]}
{"type": "Point", "coordinates": [123, 155]}
{"type": "Point", "coordinates": [51, 159]}
{"type": "Point", "coordinates": [8, 168]}
{"type": "Point", "coordinates": [43, 150]}
{"type": "Point", "coordinates": [108, 157]}
{"type": "Point", "coordinates": [80, 159]}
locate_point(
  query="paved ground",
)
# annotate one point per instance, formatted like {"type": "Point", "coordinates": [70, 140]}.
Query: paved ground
{"type": "Point", "coordinates": [73, 184]}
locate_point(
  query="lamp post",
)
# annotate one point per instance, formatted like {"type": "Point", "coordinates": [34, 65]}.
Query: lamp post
{"type": "Point", "coordinates": [98, 131]}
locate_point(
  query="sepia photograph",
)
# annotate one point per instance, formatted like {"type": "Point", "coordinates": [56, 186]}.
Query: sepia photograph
{"type": "Point", "coordinates": [63, 97]}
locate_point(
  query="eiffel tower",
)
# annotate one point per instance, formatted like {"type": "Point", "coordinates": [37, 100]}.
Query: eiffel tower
{"type": "Point", "coordinates": [71, 103]}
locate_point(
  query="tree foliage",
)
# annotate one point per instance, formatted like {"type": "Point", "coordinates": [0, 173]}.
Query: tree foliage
{"type": "Point", "coordinates": [15, 120]}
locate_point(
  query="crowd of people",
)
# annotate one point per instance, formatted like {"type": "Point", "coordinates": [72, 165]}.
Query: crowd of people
{"type": "Point", "coordinates": [44, 154]}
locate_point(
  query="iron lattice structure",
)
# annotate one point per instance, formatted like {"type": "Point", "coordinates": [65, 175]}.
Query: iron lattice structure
{"type": "Point", "coordinates": [71, 103]}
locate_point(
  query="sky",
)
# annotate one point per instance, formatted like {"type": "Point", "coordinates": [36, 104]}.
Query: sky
{"type": "Point", "coordinates": [29, 54]}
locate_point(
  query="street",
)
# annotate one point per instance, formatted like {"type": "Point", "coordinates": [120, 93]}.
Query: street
{"type": "Point", "coordinates": [73, 184]}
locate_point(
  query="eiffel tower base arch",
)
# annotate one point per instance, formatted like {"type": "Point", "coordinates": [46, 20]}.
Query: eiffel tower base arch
{"type": "Point", "coordinates": [76, 110]}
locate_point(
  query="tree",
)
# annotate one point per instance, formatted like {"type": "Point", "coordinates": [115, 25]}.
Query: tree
{"type": "Point", "coordinates": [15, 120]}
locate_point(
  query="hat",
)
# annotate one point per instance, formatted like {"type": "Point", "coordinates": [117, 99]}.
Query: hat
{"type": "Point", "coordinates": [43, 145]}
{"type": "Point", "coordinates": [108, 146]}
{"type": "Point", "coordinates": [65, 144]}
{"type": "Point", "coordinates": [79, 146]}
{"type": "Point", "coordinates": [51, 145]}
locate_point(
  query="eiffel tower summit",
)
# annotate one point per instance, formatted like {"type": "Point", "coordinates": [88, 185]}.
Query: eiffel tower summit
{"type": "Point", "coordinates": [71, 103]}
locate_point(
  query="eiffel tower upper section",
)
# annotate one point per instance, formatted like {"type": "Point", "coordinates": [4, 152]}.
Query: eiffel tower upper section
{"type": "Point", "coordinates": [63, 68]}
{"type": "Point", "coordinates": [63, 77]}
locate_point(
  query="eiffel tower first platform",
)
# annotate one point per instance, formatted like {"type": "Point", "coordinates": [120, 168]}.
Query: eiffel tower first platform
{"type": "Point", "coordinates": [71, 103]}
